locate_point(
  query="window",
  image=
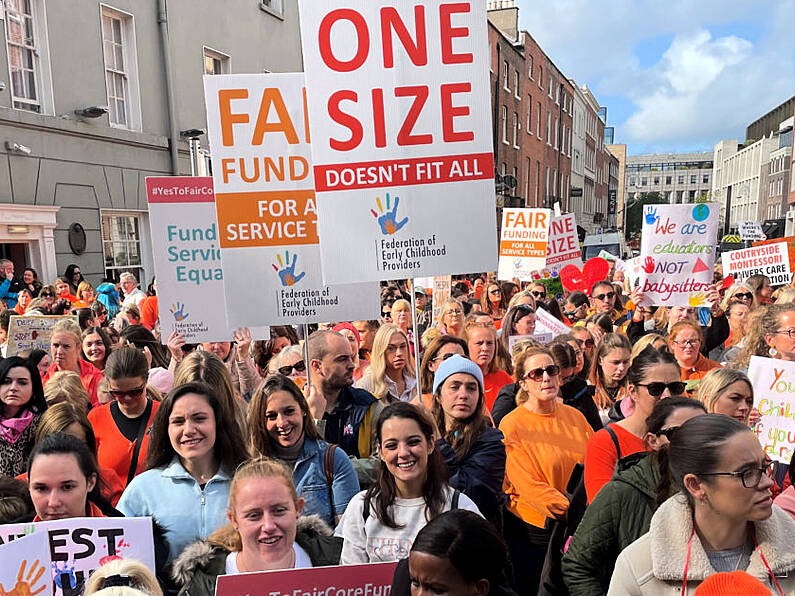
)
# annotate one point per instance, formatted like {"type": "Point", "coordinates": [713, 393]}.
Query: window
{"type": "Point", "coordinates": [546, 187]}
{"type": "Point", "coordinates": [530, 67]}
{"type": "Point", "coordinates": [668, 179]}
{"type": "Point", "coordinates": [705, 179]}
{"type": "Point", "coordinates": [549, 128]}
{"type": "Point", "coordinates": [538, 183]}
{"type": "Point", "coordinates": [504, 124]}
{"type": "Point", "coordinates": [540, 77]}
{"type": "Point", "coordinates": [529, 127]}
{"type": "Point", "coordinates": [118, 46]}
{"type": "Point", "coordinates": [557, 94]}
{"type": "Point", "coordinates": [549, 87]}
{"type": "Point", "coordinates": [121, 244]}
{"type": "Point", "coordinates": [656, 180]}
{"type": "Point", "coordinates": [554, 182]}
{"type": "Point", "coordinates": [538, 121]}
{"type": "Point", "coordinates": [644, 181]}
{"type": "Point", "coordinates": [632, 180]}
{"type": "Point", "coordinates": [274, 7]}
{"type": "Point", "coordinates": [691, 195]}
{"type": "Point", "coordinates": [505, 81]}
{"type": "Point", "coordinates": [557, 132]}
{"type": "Point", "coordinates": [693, 179]}
{"type": "Point", "coordinates": [516, 130]}
{"type": "Point", "coordinates": [516, 83]}
{"type": "Point", "coordinates": [681, 179]}
{"type": "Point", "coordinates": [28, 56]}
{"type": "Point", "coordinates": [215, 62]}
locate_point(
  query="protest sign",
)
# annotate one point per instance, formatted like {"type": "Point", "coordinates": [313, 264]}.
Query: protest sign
{"type": "Point", "coordinates": [575, 279]}
{"type": "Point", "coordinates": [523, 242]}
{"type": "Point", "coordinates": [32, 332]}
{"type": "Point", "coordinates": [371, 579]}
{"type": "Point", "coordinates": [771, 260]}
{"type": "Point", "coordinates": [774, 397]}
{"type": "Point", "coordinates": [26, 566]}
{"type": "Point", "coordinates": [542, 338]}
{"type": "Point", "coordinates": [79, 545]}
{"type": "Point", "coordinates": [751, 230]}
{"type": "Point", "coordinates": [442, 287]}
{"type": "Point", "coordinates": [546, 323]}
{"type": "Point", "coordinates": [678, 252]}
{"type": "Point", "coordinates": [564, 244]}
{"type": "Point", "coordinates": [265, 201]}
{"type": "Point", "coordinates": [633, 270]}
{"type": "Point", "coordinates": [399, 101]}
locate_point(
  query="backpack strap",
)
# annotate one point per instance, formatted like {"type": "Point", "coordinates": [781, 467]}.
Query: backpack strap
{"type": "Point", "coordinates": [456, 496]}
{"type": "Point", "coordinates": [139, 439]}
{"type": "Point", "coordinates": [328, 467]}
{"type": "Point", "coordinates": [613, 436]}
{"type": "Point", "coordinates": [366, 508]}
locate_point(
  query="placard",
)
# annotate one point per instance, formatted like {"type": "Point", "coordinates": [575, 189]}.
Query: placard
{"type": "Point", "coordinates": [771, 260]}
{"type": "Point", "coordinates": [523, 242]}
{"type": "Point", "coordinates": [400, 105]}
{"type": "Point", "coordinates": [265, 201]}
{"type": "Point", "coordinates": [78, 545]}
{"type": "Point", "coordinates": [751, 230]}
{"type": "Point", "coordinates": [677, 253]}
{"type": "Point", "coordinates": [371, 579]}
{"type": "Point", "coordinates": [26, 566]}
{"type": "Point", "coordinates": [774, 397]}
{"type": "Point", "coordinates": [546, 323]}
{"type": "Point", "coordinates": [633, 270]}
{"type": "Point", "coordinates": [542, 338]}
{"type": "Point", "coordinates": [32, 332]}
{"type": "Point", "coordinates": [442, 290]}
{"type": "Point", "coordinates": [564, 244]}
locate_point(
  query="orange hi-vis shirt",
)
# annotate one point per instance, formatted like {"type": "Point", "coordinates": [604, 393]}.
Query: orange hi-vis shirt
{"type": "Point", "coordinates": [541, 451]}
{"type": "Point", "coordinates": [601, 457]}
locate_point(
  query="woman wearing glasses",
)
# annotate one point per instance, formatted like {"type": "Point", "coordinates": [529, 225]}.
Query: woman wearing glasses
{"type": "Point", "coordinates": [439, 350]}
{"type": "Point", "coordinates": [290, 363]}
{"type": "Point", "coordinates": [741, 293]}
{"type": "Point", "coordinates": [451, 318]}
{"type": "Point", "coordinates": [544, 441]}
{"type": "Point", "coordinates": [723, 518]}
{"type": "Point", "coordinates": [194, 451]}
{"type": "Point", "coordinates": [652, 376]}
{"type": "Point", "coordinates": [121, 425]}
{"type": "Point", "coordinates": [770, 333]}
{"type": "Point", "coordinates": [493, 303]}
{"type": "Point", "coordinates": [606, 528]}
{"type": "Point", "coordinates": [576, 306]}
{"type": "Point", "coordinates": [685, 340]}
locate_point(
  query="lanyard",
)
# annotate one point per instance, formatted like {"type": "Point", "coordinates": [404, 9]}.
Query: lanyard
{"type": "Point", "coordinates": [756, 545]}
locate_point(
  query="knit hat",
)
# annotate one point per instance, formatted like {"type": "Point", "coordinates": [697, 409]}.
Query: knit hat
{"type": "Point", "coordinates": [456, 364]}
{"type": "Point", "coordinates": [733, 583]}
{"type": "Point", "coordinates": [161, 379]}
{"type": "Point", "coordinates": [340, 326]}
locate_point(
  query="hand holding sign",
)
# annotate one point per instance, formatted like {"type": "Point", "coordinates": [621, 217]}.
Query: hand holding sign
{"type": "Point", "coordinates": [26, 584]}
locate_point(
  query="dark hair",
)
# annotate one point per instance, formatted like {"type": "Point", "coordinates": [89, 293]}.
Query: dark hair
{"type": "Point", "coordinates": [126, 362]}
{"type": "Point", "coordinates": [33, 271]}
{"type": "Point", "coordinates": [14, 499]}
{"type": "Point", "coordinates": [70, 270]}
{"type": "Point", "coordinates": [471, 544]}
{"type": "Point", "coordinates": [63, 444]}
{"type": "Point", "coordinates": [37, 403]}
{"type": "Point", "coordinates": [426, 375]}
{"type": "Point", "coordinates": [5, 318]}
{"type": "Point", "coordinates": [563, 354]}
{"type": "Point", "coordinates": [648, 358]}
{"type": "Point", "coordinates": [229, 449]}
{"type": "Point", "coordinates": [262, 350]}
{"type": "Point", "coordinates": [103, 335]}
{"type": "Point", "coordinates": [436, 475]}
{"type": "Point", "coordinates": [84, 316]}
{"type": "Point", "coordinates": [141, 338]}
{"type": "Point", "coordinates": [577, 299]}
{"type": "Point", "coordinates": [603, 320]}
{"type": "Point", "coordinates": [603, 282]}
{"type": "Point", "coordinates": [35, 356]}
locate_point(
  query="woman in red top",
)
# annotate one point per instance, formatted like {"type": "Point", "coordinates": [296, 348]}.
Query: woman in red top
{"type": "Point", "coordinates": [121, 426]}
{"type": "Point", "coordinates": [652, 376]}
{"type": "Point", "coordinates": [493, 302]}
{"type": "Point", "coordinates": [481, 340]}
{"type": "Point", "coordinates": [685, 340]}
{"type": "Point", "coordinates": [65, 349]}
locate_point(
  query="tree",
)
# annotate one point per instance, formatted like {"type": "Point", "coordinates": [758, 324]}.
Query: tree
{"type": "Point", "coordinates": [633, 222]}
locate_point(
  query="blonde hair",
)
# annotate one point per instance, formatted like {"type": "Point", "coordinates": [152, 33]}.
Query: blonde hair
{"type": "Point", "coordinates": [714, 384]}
{"type": "Point", "coordinates": [228, 537]}
{"type": "Point", "coordinates": [401, 304]}
{"type": "Point", "coordinates": [428, 336]}
{"type": "Point", "coordinates": [521, 368]}
{"type": "Point", "coordinates": [82, 287]}
{"type": "Point", "coordinates": [724, 305]}
{"type": "Point", "coordinates": [448, 304]}
{"type": "Point", "coordinates": [785, 295]}
{"type": "Point", "coordinates": [120, 591]}
{"type": "Point", "coordinates": [645, 342]}
{"type": "Point", "coordinates": [470, 327]}
{"type": "Point", "coordinates": [518, 296]}
{"type": "Point", "coordinates": [141, 578]}
{"type": "Point", "coordinates": [68, 326]}
{"type": "Point", "coordinates": [377, 370]}
{"type": "Point", "coordinates": [65, 386]}
{"type": "Point", "coordinates": [762, 321]}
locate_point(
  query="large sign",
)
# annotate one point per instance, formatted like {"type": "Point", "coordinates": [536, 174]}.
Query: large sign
{"type": "Point", "coordinates": [32, 332]}
{"type": "Point", "coordinates": [399, 101]}
{"type": "Point", "coordinates": [361, 580]}
{"type": "Point", "coordinates": [564, 244]}
{"type": "Point", "coordinates": [442, 289]}
{"type": "Point", "coordinates": [771, 260]}
{"type": "Point", "coordinates": [523, 242]}
{"type": "Point", "coordinates": [677, 253]}
{"type": "Point", "coordinates": [774, 397]}
{"type": "Point", "coordinates": [265, 199]}
{"type": "Point", "coordinates": [26, 566]}
{"type": "Point", "coordinates": [77, 546]}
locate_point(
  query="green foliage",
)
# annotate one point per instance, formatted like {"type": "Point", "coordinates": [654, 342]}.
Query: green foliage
{"type": "Point", "coordinates": [634, 216]}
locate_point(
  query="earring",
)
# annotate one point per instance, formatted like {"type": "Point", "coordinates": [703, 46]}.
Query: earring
{"type": "Point", "coordinates": [772, 351]}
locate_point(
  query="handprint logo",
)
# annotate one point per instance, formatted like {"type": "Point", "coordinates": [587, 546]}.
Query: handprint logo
{"type": "Point", "coordinates": [121, 545]}
{"type": "Point", "coordinates": [697, 299]}
{"type": "Point", "coordinates": [61, 570]}
{"type": "Point", "coordinates": [26, 584]}
{"type": "Point", "coordinates": [286, 269]}
{"type": "Point", "coordinates": [178, 311]}
{"type": "Point", "coordinates": [651, 215]}
{"type": "Point", "coordinates": [388, 219]}
{"type": "Point", "coordinates": [648, 265]}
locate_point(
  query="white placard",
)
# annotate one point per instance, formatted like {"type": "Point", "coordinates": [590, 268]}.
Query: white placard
{"type": "Point", "coordinates": [546, 323]}
{"type": "Point", "coordinates": [769, 259]}
{"type": "Point", "coordinates": [751, 230]}
{"type": "Point", "coordinates": [564, 244]}
{"type": "Point", "coordinates": [523, 242]}
{"type": "Point", "coordinates": [774, 397]}
{"type": "Point", "coordinates": [26, 566]}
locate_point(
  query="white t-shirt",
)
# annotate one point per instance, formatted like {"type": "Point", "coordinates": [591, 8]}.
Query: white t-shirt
{"type": "Point", "coordinates": [302, 560]}
{"type": "Point", "coordinates": [373, 542]}
{"type": "Point", "coordinates": [135, 297]}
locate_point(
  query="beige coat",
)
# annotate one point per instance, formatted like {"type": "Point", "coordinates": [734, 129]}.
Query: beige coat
{"type": "Point", "coordinates": [654, 564]}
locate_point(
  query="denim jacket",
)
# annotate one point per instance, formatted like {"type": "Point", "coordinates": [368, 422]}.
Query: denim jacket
{"type": "Point", "coordinates": [174, 500]}
{"type": "Point", "coordinates": [310, 480]}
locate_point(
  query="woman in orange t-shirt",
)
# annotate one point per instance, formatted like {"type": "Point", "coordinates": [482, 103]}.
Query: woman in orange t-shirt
{"type": "Point", "coordinates": [481, 340]}
{"type": "Point", "coordinates": [685, 340]}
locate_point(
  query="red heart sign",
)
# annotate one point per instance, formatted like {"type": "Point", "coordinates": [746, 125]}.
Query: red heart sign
{"type": "Point", "coordinates": [574, 280]}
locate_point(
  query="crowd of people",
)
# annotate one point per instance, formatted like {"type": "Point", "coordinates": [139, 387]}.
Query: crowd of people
{"type": "Point", "coordinates": [618, 458]}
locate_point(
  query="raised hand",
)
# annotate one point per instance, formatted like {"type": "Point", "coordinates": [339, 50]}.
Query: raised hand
{"type": "Point", "coordinates": [178, 310]}
{"type": "Point", "coordinates": [648, 265]}
{"type": "Point", "coordinates": [651, 215]}
{"type": "Point", "coordinates": [388, 221]}
{"type": "Point", "coordinates": [242, 338]}
{"type": "Point", "coordinates": [26, 584]}
{"type": "Point", "coordinates": [287, 272]}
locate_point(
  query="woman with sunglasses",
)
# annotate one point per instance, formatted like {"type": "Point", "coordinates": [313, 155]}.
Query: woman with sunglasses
{"type": "Point", "coordinates": [685, 340]}
{"type": "Point", "coordinates": [544, 441]}
{"type": "Point", "coordinates": [723, 518]}
{"type": "Point", "coordinates": [739, 292]}
{"type": "Point", "coordinates": [493, 302]}
{"type": "Point", "coordinates": [121, 426]}
{"type": "Point", "coordinates": [439, 350]}
{"type": "Point", "coordinates": [770, 333]}
{"type": "Point", "coordinates": [621, 512]}
{"type": "Point", "coordinates": [194, 452]}
{"type": "Point", "coordinates": [652, 376]}
{"type": "Point", "coordinates": [281, 426]}
{"type": "Point", "coordinates": [575, 308]}
{"type": "Point", "coordinates": [290, 363]}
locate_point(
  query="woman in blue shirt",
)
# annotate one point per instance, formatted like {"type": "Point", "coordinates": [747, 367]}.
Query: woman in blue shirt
{"type": "Point", "coordinates": [193, 452]}
{"type": "Point", "coordinates": [281, 426]}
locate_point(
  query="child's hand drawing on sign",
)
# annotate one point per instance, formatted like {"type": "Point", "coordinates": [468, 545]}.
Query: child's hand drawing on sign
{"type": "Point", "coordinates": [26, 583]}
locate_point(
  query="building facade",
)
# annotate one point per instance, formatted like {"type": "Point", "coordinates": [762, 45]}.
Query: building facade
{"type": "Point", "coordinates": [678, 177]}
{"type": "Point", "coordinates": [619, 152]}
{"type": "Point", "coordinates": [770, 122]}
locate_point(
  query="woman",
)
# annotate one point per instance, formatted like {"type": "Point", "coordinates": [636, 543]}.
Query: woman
{"type": "Point", "coordinates": [457, 553]}
{"type": "Point", "coordinates": [137, 575]}
{"type": "Point", "coordinates": [722, 520]}
{"type": "Point", "coordinates": [770, 333]}
{"type": "Point", "coordinates": [65, 347]}
{"type": "Point", "coordinates": [121, 425]}
{"type": "Point", "coordinates": [380, 523]}
{"type": "Point", "coordinates": [143, 339]}
{"type": "Point", "coordinates": [493, 303]}
{"type": "Point", "coordinates": [760, 286]}
{"type": "Point", "coordinates": [739, 293]}
{"type": "Point", "coordinates": [509, 290]}
{"type": "Point", "coordinates": [100, 314]}
{"type": "Point", "coordinates": [401, 315]}
{"type": "Point", "coordinates": [575, 308]}
{"type": "Point", "coordinates": [521, 321]}
{"type": "Point", "coordinates": [391, 375]}
{"type": "Point", "coordinates": [652, 376]}
{"type": "Point", "coordinates": [22, 402]}
{"type": "Point", "coordinates": [471, 447]}
{"type": "Point", "coordinates": [349, 332]}
{"type": "Point", "coordinates": [31, 280]}
{"type": "Point", "coordinates": [621, 512]}
{"type": "Point", "coordinates": [64, 480]}
{"type": "Point", "coordinates": [96, 347]}
{"type": "Point", "coordinates": [608, 374]}
{"type": "Point", "coordinates": [65, 387]}
{"type": "Point", "coordinates": [194, 451]}
{"type": "Point", "coordinates": [38, 358]}
{"type": "Point", "coordinates": [49, 294]}
{"type": "Point", "coordinates": [439, 350]}
{"type": "Point", "coordinates": [544, 441]}
{"type": "Point", "coordinates": [451, 318]}
{"type": "Point", "coordinates": [73, 277]}
{"type": "Point", "coordinates": [24, 299]}
{"type": "Point", "coordinates": [281, 337]}
{"type": "Point", "coordinates": [290, 363]}
{"type": "Point", "coordinates": [728, 392]}
{"type": "Point", "coordinates": [655, 340]}
{"type": "Point", "coordinates": [736, 314]}
{"type": "Point", "coordinates": [599, 325]}
{"type": "Point", "coordinates": [580, 368]}
{"type": "Point", "coordinates": [64, 291]}
{"type": "Point", "coordinates": [281, 426]}
{"type": "Point", "coordinates": [586, 341]}
{"type": "Point", "coordinates": [481, 341]}
{"type": "Point", "coordinates": [506, 397]}
{"type": "Point", "coordinates": [685, 341]}
{"type": "Point", "coordinates": [262, 502]}
{"type": "Point", "coordinates": [574, 391]}
{"type": "Point", "coordinates": [85, 295]}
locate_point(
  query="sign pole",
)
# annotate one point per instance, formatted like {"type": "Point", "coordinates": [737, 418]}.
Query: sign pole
{"type": "Point", "coordinates": [305, 328]}
{"type": "Point", "coordinates": [416, 339]}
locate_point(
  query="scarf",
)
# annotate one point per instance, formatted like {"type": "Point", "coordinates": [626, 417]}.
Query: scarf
{"type": "Point", "coordinates": [12, 428]}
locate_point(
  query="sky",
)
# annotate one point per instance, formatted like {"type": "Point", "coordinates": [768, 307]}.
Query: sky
{"type": "Point", "coordinates": [675, 75]}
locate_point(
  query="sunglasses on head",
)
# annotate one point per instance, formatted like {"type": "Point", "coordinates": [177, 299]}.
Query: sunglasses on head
{"type": "Point", "coordinates": [657, 389]}
{"type": "Point", "coordinates": [607, 295]}
{"type": "Point", "coordinates": [537, 374]}
{"type": "Point", "coordinates": [299, 366]}
{"type": "Point", "coordinates": [524, 308]}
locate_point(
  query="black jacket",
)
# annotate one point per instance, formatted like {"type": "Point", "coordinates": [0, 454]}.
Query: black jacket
{"type": "Point", "coordinates": [505, 403]}
{"type": "Point", "coordinates": [579, 394]}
